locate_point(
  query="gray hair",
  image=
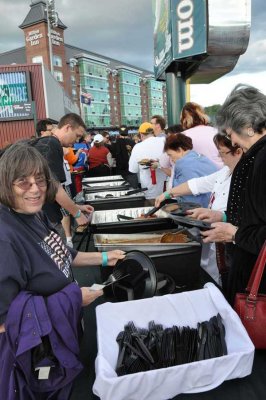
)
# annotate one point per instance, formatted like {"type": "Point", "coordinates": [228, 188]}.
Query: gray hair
{"type": "Point", "coordinates": [245, 107]}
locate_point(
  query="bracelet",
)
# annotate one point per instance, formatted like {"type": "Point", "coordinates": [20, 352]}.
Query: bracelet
{"type": "Point", "coordinates": [78, 214]}
{"type": "Point", "coordinates": [104, 259]}
{"type": "Point", "coordinates": [167, 195]}
{"type": "Point", "coordinates": [224, 217]}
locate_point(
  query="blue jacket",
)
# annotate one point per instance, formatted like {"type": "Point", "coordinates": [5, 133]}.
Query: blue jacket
{"type": "Point", "coordinates": [30, 318]}
{"type": "Point", "coordinates": [193, 165]}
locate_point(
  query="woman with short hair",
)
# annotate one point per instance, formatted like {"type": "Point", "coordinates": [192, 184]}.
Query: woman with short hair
{"type": "Point", "coordinates": [188, 164]}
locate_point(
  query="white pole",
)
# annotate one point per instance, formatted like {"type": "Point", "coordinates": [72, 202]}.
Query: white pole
{"type": "Point", "coordinates": [50, 40]}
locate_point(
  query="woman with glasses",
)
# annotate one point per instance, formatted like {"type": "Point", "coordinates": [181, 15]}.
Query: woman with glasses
{"type": "Point", "coordinates": [38, 295]}
{"type": "Point", "coordinates": [218, 185]}
{"type": "Point", "coordinates": [242, 118]}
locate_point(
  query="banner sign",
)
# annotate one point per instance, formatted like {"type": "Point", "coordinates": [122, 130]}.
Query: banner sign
{"type": "Point", "coordinates": [15, 96]}
{"type": "Point", "coordinates": [180, 31]}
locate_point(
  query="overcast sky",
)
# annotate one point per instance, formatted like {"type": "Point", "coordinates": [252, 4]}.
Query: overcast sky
{"type": "Point", "coordinates": [122, 29]}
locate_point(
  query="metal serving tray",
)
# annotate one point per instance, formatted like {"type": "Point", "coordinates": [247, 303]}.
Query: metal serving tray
{"type": "Point", "coordinates": [108, 178]}
{"type": "Point", "coordinates": [106, 221]}
{"type": "Point", "coordinates": [110, 216]}
{"type": "Point", "coordinates": [105, 186]}
{"type": "Point", "coordinates": [100, 241]}
{"type": "Point", "coordinates": [114, 196]}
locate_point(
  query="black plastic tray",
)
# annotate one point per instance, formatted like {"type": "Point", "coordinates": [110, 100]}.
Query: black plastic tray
{"type": "Point", "coordinates": [191, 223]}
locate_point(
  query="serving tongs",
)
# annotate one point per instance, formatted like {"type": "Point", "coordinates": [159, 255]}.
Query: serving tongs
{"type": "Point", "coordinates": [155, 209]}
{"type": "Point", "coordinates": [124, 217]}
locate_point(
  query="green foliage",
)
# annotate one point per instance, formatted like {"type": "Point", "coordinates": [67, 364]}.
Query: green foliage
{"type": "Point", "coordinates": [211, 111]}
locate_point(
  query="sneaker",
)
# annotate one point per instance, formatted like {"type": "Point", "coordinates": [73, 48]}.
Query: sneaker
{"type": "Point", "coordinates": [69, 242]}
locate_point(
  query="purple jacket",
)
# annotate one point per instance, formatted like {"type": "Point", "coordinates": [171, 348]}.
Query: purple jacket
{"type": "Point", "coordinates": [30, 318]}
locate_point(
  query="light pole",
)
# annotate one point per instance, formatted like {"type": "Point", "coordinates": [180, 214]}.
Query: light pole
{"type": "Point", "coordinates": [52, 21]}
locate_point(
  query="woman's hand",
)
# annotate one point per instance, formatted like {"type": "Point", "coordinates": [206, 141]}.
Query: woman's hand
{"type": "Point", "coordinates": [159, 199]}
{"type": "Point", "coordinates": [205, 214]}
{"type": "Point", "coordinates": [86, 214]}
{"type": "Point", "coordinates": [114, 256]}
{"type": "Point", "coordinates": [86, 208]}
{"type": "Point", "coordinates": [221, 232]}
{"type": "Point", "coordinates": [2, 328]}
{"type": "Point", "coordinates": [88, 296]}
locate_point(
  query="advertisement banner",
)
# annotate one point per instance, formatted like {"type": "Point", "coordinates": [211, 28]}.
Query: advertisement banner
{"type": "Point", "coordinates": [189, 28]}
{"type": "Point", "coordinates": [180, 31]}
{"type": "Point", "coordinates": [15, 96]}
{"type": "Point", "coordinates": [162, 35]}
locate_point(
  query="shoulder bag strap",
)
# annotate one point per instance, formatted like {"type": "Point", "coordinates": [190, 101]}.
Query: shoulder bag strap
{"type": "Point", "coordinates": [256, 275]}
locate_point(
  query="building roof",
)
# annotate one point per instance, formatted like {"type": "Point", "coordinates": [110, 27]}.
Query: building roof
{"type": "Point", "coordinates": [73, 51]}
{"type": "Point", "coordinates": [17, 56]}
{"type": "Point", "coordinates": [38, 14]}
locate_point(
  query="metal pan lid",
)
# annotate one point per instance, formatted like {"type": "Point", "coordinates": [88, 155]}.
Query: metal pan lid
{"type": "Point", "coordinates": [141, 281]}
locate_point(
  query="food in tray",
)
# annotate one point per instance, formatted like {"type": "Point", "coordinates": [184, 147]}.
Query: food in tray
{"type": "Point", "coordinates": [144, 161]}
{"type": "Point", "coordinates": [169, 237]}
{"type": "Point", "coordinates": [147, 162]}
{"type": "Point", "coordinates": [142, 216]}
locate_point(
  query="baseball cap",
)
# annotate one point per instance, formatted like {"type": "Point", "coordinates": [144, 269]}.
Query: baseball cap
{"type": "Point", "coordinates": [98, 138]}
{"type": "Point", "coordinates": [143, 127]}
{"type": "Point", "coordinates": [123, 130]}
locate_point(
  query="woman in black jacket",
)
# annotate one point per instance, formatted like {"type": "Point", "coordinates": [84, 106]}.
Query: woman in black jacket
{"type": "Point", "coordinates": [242, 118]}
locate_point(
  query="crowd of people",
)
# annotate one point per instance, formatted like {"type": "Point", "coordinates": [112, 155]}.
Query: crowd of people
{"type": "Point", "coordinates": [221, 168]}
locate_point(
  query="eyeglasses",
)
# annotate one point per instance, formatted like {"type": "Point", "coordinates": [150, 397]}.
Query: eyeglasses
{"type": "Point", "coordinates": [25, 184]}
{"type": "Point", "coordinates": [228, 136]}
{"type": "Point", "coordinates": [223, 153]}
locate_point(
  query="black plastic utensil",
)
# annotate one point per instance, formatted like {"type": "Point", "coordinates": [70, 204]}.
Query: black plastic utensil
{"type": "Point", "coordinates": [135, 191]}
{"type": "Point", "coordinates": [124, 217]}
{"type": "Point", "coordinates": [192, 223]}
{"type": "Point", "coordinates": [154, 209]}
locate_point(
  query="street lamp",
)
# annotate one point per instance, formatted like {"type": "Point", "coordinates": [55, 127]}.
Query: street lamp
{"type": "Point", "coordinates": [52, 22]}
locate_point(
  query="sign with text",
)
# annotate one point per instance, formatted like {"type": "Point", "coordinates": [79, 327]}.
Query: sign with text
{"type": "Point", "coordinates": [15, 96]}
{"type": "Point", "coordinates": [180, 31]}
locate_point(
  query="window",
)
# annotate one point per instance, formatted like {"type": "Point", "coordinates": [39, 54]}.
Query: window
{"type": "Point", "coordinates": [57, 61]}
{"type": "Point", "coordinates": [37, 59]}
{"type": "Point", "coordinates": [73, 80]}
{"type": "Point", "coordinates": [58, 76]}
{"type": "Point", "coordinates": [74, 93]}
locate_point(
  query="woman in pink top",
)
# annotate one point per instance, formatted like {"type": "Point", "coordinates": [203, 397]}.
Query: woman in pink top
{"type": "Point", "coordinates": [196, 125]}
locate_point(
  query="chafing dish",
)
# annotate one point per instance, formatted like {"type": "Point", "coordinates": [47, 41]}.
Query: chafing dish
{"type": "Point", "coordinates": [114, 199]}
{"type": "Point", "coordinates": [111, 216]}
{"type": "Point", "coordinates": [108, 221]}
{"type": "Point", "coordinates": [105, 186]}
{"type": "Point", "coordinates": [108, 178]}
{"type": "Point", "coordinates": [112, 195]}
{"type": "Point", "coordinates": [106, 242]}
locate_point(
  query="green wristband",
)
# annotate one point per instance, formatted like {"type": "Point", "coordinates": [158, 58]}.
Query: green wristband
{"type": "Point", "coordinates": [104, 259]}
{"type": "Point", "coordinates": [78, 214]}
{"type": "Point", "coordinates": [224, 217]}
{"type": "Point", "coordinates": [167, 196]}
